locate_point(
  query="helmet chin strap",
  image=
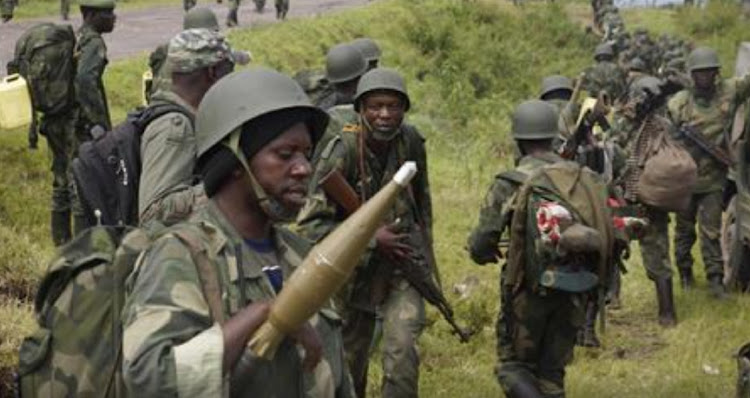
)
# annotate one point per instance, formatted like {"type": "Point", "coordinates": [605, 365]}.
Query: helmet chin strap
{"type": "Point", "coordinates": [377, 134]}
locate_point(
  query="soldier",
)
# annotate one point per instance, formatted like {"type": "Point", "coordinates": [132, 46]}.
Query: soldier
{"type": "Point", "coordinates": [345, 65]}
{"type": "Point", "coordinates": [6, 9]}
{"type": "Point", "coordinates": [168, 192]}
{"type": "Point", "coordinates": [558, 91]}
{"type": "Point", "coordinates": [637, 130]}
{"type": "Point", "coordinates": [64, 9]}
{"type": "Point", "coordinates": [636, 69]}
{"type": "Point", "coordinates": [544, 294]}
{"type": "Point", "coordinates": [605, 75]}
{"type": "Point", "coordinates": [93, 112]}
{"type": "Point", "coordinates": [282, 8]}
{"type": "Point", "coordinates": [234, 7]}
{"type": "Point", "coordinates": [255, 130]}
{"type": "Point", "coordinates": [369, 50]}
{"type": "Point", "coordinates": [706, 109]}
{"type": "Point", "coordinates": [367, 154]}
{"type": "Point", "coordinates": [196, 18]}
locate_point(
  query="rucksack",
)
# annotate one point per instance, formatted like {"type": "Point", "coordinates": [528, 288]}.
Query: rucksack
{"type": "Point", "coordinates": [44, 56]}
{"type": "Point", "coordinates": [108, 168]}
{"type": "Point", "coordinates": [584, 195]}
{"type": "Point", "coordinates": [668, 177]}
{"type": "Point", "coordinates": [76, 350]}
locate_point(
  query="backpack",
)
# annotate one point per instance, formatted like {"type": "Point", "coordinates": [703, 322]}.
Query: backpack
{"type": "Point", "coordinates": [108, 168]}
{"type": "Point", "coordinates": [77, 347]}
{"type": "Point", "coordinates": [584, 195]}
{"type": "Point", "coordinates": [44, 56]}
{"type": "Point", "coordinates": [668, 177]}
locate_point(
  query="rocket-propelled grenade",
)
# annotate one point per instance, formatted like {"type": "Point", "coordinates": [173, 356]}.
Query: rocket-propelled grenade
{"type": "Point", "coordinates": [325, 269]}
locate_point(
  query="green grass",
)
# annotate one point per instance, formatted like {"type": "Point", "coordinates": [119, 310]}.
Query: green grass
{"type": "Point", "coordinates": [467, 63]}
{"type": "Point", "coordinates": [44, 8]}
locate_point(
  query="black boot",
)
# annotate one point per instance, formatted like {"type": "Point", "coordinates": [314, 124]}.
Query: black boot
{"type": "Point", "coordinates": [665, 298]}
{"type": "Point", "coordinates": [587, 335]}
{"type": "Point", "coordinates": [717, 288]}
{"type": "Point", "coordinates": [687, 281]}
{"type": "Point", "coordinates": [523, 388]}
{"type": "Point", "coordinates": [60, 226]}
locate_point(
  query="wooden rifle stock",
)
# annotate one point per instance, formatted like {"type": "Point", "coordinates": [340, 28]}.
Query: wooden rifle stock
{"type": "Point", "coordinates": [338, 189]}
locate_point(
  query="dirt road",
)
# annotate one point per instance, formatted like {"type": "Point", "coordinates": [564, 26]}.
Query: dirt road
{"type": "Point", "coordinates": [144, 29]}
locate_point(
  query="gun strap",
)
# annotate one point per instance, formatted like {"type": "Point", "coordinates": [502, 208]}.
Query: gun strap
{"type": "Point", "coordinates": [206, 273]}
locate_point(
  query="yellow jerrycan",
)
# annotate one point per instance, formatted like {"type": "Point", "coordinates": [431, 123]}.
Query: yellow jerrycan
{"type": "Point", "coordinates": [15, 102]}
{"type": "Point", "coordinates": [147, 81]}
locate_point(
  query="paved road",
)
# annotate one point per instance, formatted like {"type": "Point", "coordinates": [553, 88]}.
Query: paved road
{"type": "Point", "coordinates": [144, 29]}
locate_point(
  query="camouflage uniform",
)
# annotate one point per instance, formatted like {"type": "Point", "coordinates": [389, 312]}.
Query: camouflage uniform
{"type": "Point", "coordinates": [710, 117]}
{"type": "Point", "coordinates": [605, 76]}
{"type": "Point", "coordinates": [402, 309]}
{"type": "Point", "coordinates": [526, 354]}
{"type": "Point", "coordinates": [89, 86]}
{"type": "Point", "coordinates": [172, 347]}
{"type": "Point", "coordinates": [59, 130]}
{"type": "Point", "coordinates": [169, 152]}
{"type": "Point", "coordinates": [6, 9]}
{"type": "Point", "coordinates": [64, 9]}
{"type": "Point", "coordinates": [234, 8]}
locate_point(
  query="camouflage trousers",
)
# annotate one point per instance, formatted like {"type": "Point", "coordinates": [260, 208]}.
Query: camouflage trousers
{"type": "Point", "coordinates": [403, 317]}
{"type": "Point", "coordinates": [705, 208]}
{"type": "Point", "coordinates": [64, 9]}
{"type": "Point", "coordinates": [331, 378]}
{"type": "Point", "coordinates": [536, 334]}
{"type": "Point", "coordinates": [655, 245]}
{"type": "Point", "coordinates": [59, 130]}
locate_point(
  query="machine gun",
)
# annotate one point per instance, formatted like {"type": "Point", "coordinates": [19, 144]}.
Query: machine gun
{"type": "Point", "coordinates": [418, 271]}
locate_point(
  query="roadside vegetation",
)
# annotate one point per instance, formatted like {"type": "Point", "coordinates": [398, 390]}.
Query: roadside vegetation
{"type": "Point", "coordinates": [467, 63]}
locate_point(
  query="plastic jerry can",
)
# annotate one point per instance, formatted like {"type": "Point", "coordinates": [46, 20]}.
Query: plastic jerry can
{"type": "Point", "coordinates": [15, 102]}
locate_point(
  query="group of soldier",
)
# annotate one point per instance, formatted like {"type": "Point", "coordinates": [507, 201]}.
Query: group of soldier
{"type": "Point", "coordinates": [251, 151]}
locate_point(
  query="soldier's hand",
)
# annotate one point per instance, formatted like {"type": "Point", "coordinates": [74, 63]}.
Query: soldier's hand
{"type": "Point", "coordinates": [308, 338]}
{"type": "Point", "coordinates": [392, 244]}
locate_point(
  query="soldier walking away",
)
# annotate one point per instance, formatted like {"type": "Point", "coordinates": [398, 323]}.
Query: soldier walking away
{"type": "Point", "coordinates": [254, 132]}
{"type": "Point", "coordinates": [558, 91]}
{"type": "Point", "coordinates": [545, 286]}
{"type": "Point", "coordinates": [6, 9]}
{"type": "Point", "coordinates": [702, 115]}
{"type": "Point", "coordinates": [366, 155]}
{"type": "Point", "coordinates": [605, 76]}
{"type": "Point", "coordinates": [64, 9]}
{"type": "Point", "coordinates": [282, 8]}
{"type": "Point", "coordinates": [168, 188]}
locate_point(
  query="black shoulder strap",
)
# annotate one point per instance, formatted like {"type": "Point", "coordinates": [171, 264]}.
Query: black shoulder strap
{"type": "Point", "coordinates": [156, 111]}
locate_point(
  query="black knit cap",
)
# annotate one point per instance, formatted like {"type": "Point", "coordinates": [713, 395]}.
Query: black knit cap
{"type": "Point", "coordinates": [216, 165]}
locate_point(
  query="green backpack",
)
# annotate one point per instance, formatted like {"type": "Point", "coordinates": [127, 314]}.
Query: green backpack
{"type": "Point", "coordinates": [44, 56]}
{"type": "Point", "coordinates": [584, 195]}
{"type": "Point", "coordinates": [77, 349]}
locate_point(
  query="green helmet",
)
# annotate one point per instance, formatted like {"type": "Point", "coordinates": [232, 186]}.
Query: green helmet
{"type": "Point", "coordinates": [381, 79]}
{"type": "Point", "coordinates": [245, 95]}
{"type": "Point", "coordinates": [554, 83]}
{"type": "Point", "coordinates": [105, 4]}
{"type": "Point", "coordinates": [604, 49]}
{"type": "Point", "coordinates": [344, 62]}
{"type": "Point", "coordinates": [637, 65]}
{"type": "Point", "coordinates": [648, 84]}
{"type": "Point", "coordinates": [200, 17]}
{"type": "Point", "coordinates": [534, 120]}
{"type": "Point", "coordinates": [703, 58]}
{"type": "Point", "coordinates": [368, 48]}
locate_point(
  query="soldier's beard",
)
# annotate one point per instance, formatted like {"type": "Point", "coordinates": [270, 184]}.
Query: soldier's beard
{"type": "Point", "coordinates": [277, 211]}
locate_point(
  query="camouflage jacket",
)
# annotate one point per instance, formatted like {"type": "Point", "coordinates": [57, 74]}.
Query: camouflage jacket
{"type": "Point", "coordinates": [89, 86]}
{"type": "Point", "coordinates": [413, 206]}
{"type": "Point", "coordinates": [605, 76]}
{"type": "Point", "coordinates": [496, 212]}
{"type": "Point", "coordinates": [172, 347]}
{"type": "Point", "coordinates": [167, 189]}
{"type": "Point", "coordinates": [711, 117]}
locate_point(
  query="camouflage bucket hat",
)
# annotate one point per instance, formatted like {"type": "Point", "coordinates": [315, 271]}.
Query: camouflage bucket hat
{"type": "Point", "coordinates": [194, 49]}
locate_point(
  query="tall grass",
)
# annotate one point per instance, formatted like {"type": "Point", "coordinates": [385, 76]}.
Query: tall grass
{"type": "Point", "coordinates": [466, 63]}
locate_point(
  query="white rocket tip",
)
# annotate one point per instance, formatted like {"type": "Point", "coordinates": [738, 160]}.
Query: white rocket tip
{"type": "Point", "coordinates": [405, 173]}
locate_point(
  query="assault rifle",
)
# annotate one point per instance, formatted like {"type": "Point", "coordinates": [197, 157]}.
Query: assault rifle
{"type": "Point", "coordinates": [717, 153]}
{"type": "Point", "coordinates": [418, 271]}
